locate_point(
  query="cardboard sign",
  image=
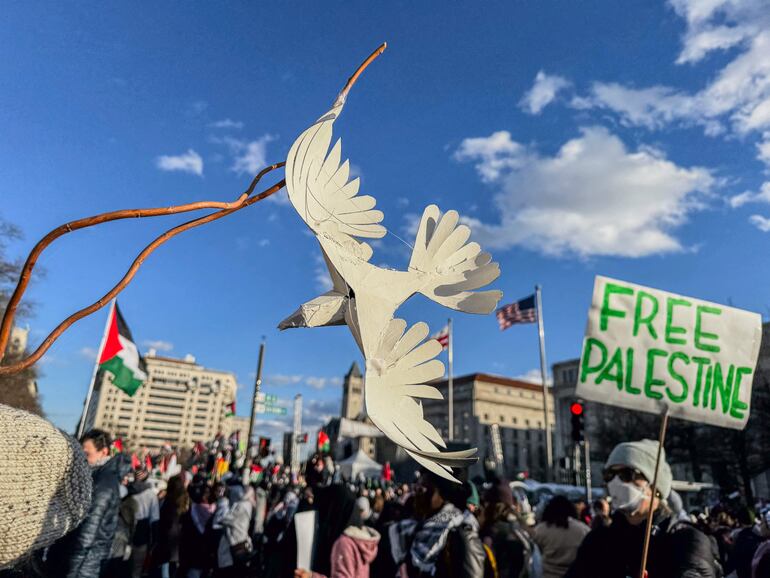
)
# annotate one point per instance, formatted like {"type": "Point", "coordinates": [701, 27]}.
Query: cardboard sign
{"type": "Point", "coordinates": [645, 349]}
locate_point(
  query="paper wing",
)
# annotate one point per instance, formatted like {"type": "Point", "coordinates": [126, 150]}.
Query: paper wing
{"type": "Point", "coordinates": [321, 190]}
{"type": "Point", "coordinates": [452, 266]}
{"type": "Point", "coordinates": [394, 384]}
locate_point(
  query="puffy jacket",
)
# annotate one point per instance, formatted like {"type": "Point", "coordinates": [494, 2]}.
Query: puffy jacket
{"type": "Point", "coordinates": [677, 550]}
{"type": "Point", "coordinates": [80, 553]}
{"type": "Point", "coordinates": [353, 553]}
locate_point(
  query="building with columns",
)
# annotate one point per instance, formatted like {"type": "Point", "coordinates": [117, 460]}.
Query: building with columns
{"type": "Point", "coordinates": [481, 400]}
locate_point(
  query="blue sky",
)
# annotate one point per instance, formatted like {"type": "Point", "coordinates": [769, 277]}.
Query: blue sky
{"type": "Point", "coordinates": [629, 139]}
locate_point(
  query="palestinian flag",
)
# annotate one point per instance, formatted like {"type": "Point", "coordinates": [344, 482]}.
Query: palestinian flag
{"type": "Point", "coordinates": [230, 409]}
{"type": "Point", "coordinates": [323, 442]}
{"type": "Point", "coordinates": [120, 357]}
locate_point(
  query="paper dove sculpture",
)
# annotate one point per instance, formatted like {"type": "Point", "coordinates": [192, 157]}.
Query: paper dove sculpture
{"type": "Point", "coordinates": [444, 267]}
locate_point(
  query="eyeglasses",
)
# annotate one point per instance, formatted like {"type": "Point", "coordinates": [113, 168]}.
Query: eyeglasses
{"type": "Point", "coordinates": [625, 474]}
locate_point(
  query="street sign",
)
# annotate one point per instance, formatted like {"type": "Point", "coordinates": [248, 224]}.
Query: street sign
{"type": "Point", "coordinates": [269, 408]}
{"type": "Point", "coordinates": [267, 398]}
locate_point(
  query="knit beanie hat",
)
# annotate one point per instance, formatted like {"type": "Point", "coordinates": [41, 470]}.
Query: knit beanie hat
{"type": "Point", "coordinates": [473, 498]}
{"type": "Point", "coordinates": [641, 455]}
{"type": "Point", "coordinates": [45, 484]}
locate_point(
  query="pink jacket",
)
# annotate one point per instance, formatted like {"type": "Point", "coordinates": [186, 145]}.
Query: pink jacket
{"type": "Point", "coordinates": [353, 552]}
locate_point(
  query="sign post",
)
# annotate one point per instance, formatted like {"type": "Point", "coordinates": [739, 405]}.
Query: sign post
{"type": "Point", "coordinates": [675, 356]}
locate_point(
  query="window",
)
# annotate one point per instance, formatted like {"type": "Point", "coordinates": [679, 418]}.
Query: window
{"type": "Point", "coordinates": [502, 419]}
{"type": "Point", "coordinates": [486, 416]}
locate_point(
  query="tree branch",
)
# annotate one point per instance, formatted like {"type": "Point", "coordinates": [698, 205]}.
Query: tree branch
{"type": "Point", "coordinates": [244, 200]}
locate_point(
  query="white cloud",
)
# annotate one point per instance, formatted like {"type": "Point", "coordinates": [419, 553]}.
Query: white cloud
{"type": "Point", "coordinates": [761, 196]}
{"type": "Point", "coordinates": [593, 197]}
{"type": "Point", "coordinates": [322, 382]}
{"type": "Point", "coordinates": [402, 202]}
{"type": "Point", "coordinates": [323, 280]}
{"type": "Point", "coordinates": [760, 222]}
{"type": "Point", "coordinates": [263, 243]}
{"type": "Point", "coordinates": [252, 156]}
{"type": "Point", "coordinates": [88, 352]}
{"type": "Point", "coordinates": [493, 154]}
{"type": "Point", "coordinates": [227, 123]}
{"type": "Point", "coordinates": [314, 381]}
{"type": "Point", "coordinates": [652, 108]}
{"type": "Point", "coordinates": [738, 95]}
{"type": "Point", "coordinates": [282, 379]}
{"type": "Point", "coordinates": [763, 150]}
{"type": "Point", "coordinates": [189, 162]}
{"type": "Point", "coordinates": [158, 344]}
{"type": "Point", "coordinates": [543, 92]}
{"type": "Point", "coordinates": [534, 376]}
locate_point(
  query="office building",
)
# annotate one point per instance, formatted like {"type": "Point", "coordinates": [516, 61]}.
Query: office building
{"type": "Point", "coordinates": [181, 403]}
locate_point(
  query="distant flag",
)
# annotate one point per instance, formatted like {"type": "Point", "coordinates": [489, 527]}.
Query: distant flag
{"type": "Point", "coordinates": [230, 409]}
{"type": "Point", "coordinates": [148, 462]}
{"type": "Point", "coordinates": [117, 446]}
{"type": "Point", "coordinates": [442, 337]}
{"type": "Point", "coordinates": [522, 311]}
{"type": "Point", "coordinates": [135, 463]}
{"type": "Point", "coordinates": [120, 357]}
{"type": "Point", "coordinates": [323, 442]}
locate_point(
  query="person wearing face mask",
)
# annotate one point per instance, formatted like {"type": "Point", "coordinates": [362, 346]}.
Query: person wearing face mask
{"type": "Point", "coordinates": [677, 549]}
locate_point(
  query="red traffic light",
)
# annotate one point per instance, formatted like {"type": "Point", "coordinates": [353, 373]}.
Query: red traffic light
{"type": "Point", "coordinates": [576, 408]}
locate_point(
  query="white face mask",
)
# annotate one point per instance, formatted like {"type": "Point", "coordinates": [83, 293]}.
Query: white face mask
{"type": "Point", "coordinates": [626, 496]}
{"type": "Point", "coordinates": [123, 491]}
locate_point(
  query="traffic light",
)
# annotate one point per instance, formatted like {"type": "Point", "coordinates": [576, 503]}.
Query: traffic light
{"type": "Point", "coordinates": [577, 411]}
{"type": "Point", "coordinates": [264, 447]}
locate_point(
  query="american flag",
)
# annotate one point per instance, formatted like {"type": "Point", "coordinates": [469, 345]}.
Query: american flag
{"type": "Point", "coordinates": [522, 311]}
{"type": "Point", "coordinates": [442, 337]}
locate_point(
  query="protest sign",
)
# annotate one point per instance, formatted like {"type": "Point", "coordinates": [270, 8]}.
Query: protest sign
{"type": "Point", "coordinates": [647, 349]}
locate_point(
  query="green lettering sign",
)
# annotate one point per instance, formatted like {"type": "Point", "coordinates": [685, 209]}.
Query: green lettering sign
{"type": "Point", "coordinates": [673, 329]}
{"type": "Point", "coordinates": [586, 369]}
{"type": "Point", "coordinates": [639, 318]}
{"type": "Point", "coordinates": [700, 335]}
{"type": "Point", "coordinates": [607, 311]}
{"type": "Point", "coordinates": [700, 362]}
{"type": "Point", "coordinates": [737, 407]}
{"type": "Point", "coordinates": [649, 380]}
{"type": "Point", "coordinates": [613, 371]}
{"type": "Point", "coordinates": [679, 398]}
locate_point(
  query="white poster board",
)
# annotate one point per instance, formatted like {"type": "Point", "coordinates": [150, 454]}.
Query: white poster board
{"type": "Point", "coordinates": [645, 349]}
{"type": "Point", "coordinates": [304, 524]}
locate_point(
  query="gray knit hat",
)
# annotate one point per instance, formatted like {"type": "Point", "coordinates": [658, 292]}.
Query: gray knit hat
{"type": "Point", "coordinates": [45, 484]}
{"type": "Point", "coordinates": [642, 455]}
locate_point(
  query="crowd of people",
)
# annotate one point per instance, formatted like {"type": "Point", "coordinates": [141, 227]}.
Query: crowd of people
{"type": "Point", "coordinates": [257, 518]}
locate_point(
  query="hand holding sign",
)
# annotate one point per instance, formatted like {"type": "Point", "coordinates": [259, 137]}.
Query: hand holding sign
{"type": "Point", "coordinates": [646, 349]}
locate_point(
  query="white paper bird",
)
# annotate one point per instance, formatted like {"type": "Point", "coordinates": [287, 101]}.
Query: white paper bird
{"type": "Point", "coordinates": [444, 267]}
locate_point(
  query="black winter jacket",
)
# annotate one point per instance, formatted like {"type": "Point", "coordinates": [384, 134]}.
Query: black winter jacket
{"type": "Point", "coordinates": [81, 553]}
{"type": "Point", "coordinates": [677, 550]}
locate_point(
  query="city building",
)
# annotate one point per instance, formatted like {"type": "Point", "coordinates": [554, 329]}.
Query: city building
{"type": "Point", "coordinates": [481, 400]}
{"type": "Point", "coordinates": [352, 409]}
{"type": "Point", "coordinates": [181, 403]}
{"type": "Point", "coordinates": [237, 423]}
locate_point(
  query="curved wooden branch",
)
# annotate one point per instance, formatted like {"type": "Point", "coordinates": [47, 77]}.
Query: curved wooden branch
{"type": "Point", "coordinates": [37, 250]}
{"type": "Point", "coordinates": [352, 80]}
{"type": "Point", "coordinates": [86, 311]}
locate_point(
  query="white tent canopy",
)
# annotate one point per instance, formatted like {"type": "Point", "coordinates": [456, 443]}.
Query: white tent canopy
{"type": "Point", "coordinates": [359, 463]}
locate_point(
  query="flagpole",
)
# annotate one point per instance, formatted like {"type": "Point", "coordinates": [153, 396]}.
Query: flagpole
{"type": "Point", "coordinates": [544, 376]}
{"type": "Point", "coordinates": [450, 359]}
{"type": "Point", "coordinates": [82, 424]}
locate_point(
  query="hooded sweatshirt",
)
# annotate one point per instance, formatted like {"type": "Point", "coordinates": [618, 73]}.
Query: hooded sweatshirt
{"type": "Point", "coordinates": [353, 552]}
